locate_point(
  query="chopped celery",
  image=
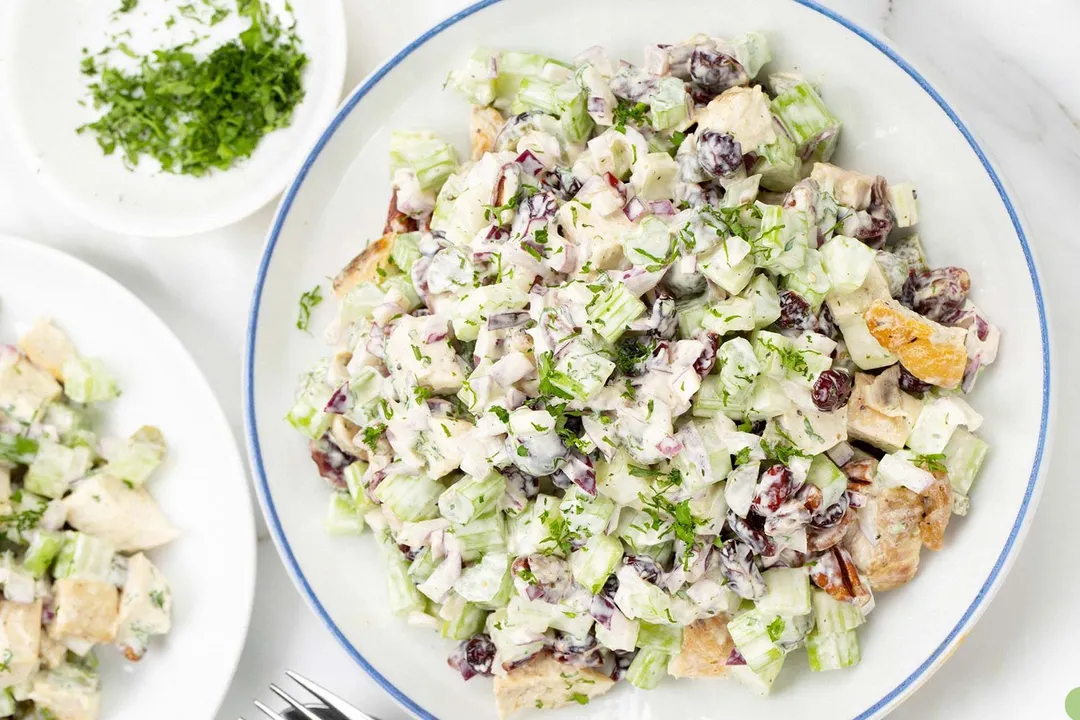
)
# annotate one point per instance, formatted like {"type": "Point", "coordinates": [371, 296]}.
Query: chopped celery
{"type": "Point", "coordinates": [342, 517]}
{"type": "Point", "coordinates": [964, 456]}
{"type": "Point", "coordinates": [665, 637]}
{"type": "Point", "coordinates": [765, 299]}
{"type": "Point", "coordinates": [580, 373]}
{"type": "Point", "coordinates": [691, 314]}
{"type": "Point", "coordinates": [403, 595]}
{"type": "Point", "coordinates": [7, 703]}
{"type": "Point", "coordinates": [484, 582]}
{"type": "Point", "coordinates": [832, 651]}
{"type": "Point", "coordinates": [405, 252]}
{"type": "Point", "coordinates": [811, 281]}
{"type": "Point", "coordinates": [529, 528]}
{"type": "Point", "coordinates": [669, 104]}
{"type": "Point", "coordinates": [648, 669]}
{"type": "Point", "coordinates": [483, 535]}
{"type": "Point", "coordinates": [431, 159]}
{"type": "Point", "coordinates": [778, 164]}
{"type": "Point", "coordinates": [594, 562]}
{"type": "Point", "coordinates": [759, 682]}
{"type": "Point", "coordinates": [811, 126]}
{"type": "Point", "coordinates": [713, 399]}
{"type": "Point", "coordinates": [55, 468]}
{"type": "Point", "coordinates": [612, 310]}
{"type": "Point", "coordinates": [788, 592]}
{"type": "Point", "coordinates": [735, 314]}
{"type": "Point", "coordinates": [847, 261]}
{"type": "Point", "coordinates": [410, 497]}
{"type": "Point", "coordinates": [86, 380]}
{"type": "Point", "coordinates": [833, 616]}
{"type": "Point", "coordinates": [465, 620]}
{"type": "Point", "coordinates": [828, 478]}
{"type": "Point", "coordinates": [471, 497]}
{"type": "Point", "coordinates": [84, 556]}
{"type": "Point", "coordinates": [476, 79]}
{"type": "Point", "coordinates": [44, 547]}
{"type": "Point", "coordinates": [752, 52]}
{"type": "Point", "coordinates": [137, 458]}
{"type": "Point", "coordinates": [586, 515]}
{"type": "Point", "coordinates": [753, 633]}
{"type": "Point", "coordinates": [902, 201]}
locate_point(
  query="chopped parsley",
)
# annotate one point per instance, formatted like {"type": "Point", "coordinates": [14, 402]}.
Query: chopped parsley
{"type": "Point", "coordinates": [421, 394]}
{"type": "Point", "coordinates": [631, 353]}
{"type": "Point", "coordinates": [371, 435]}
{"type": "Point", "coordinates": [522, 451]}
{"type": "Point", "coordinates": [810, 432]}
{"type": "Point", "coordinates": [776, 628]}
{"type": "Point", "coordinates": [500, 412]}
{"type": "Point", "coordinates": [628, 112]}
{"type": "Point", "coordinates": [934, 462]}
{"type": "Point", "coordinates": [157, 598]}
{"type": "Point", "coordinates": [560, 537]}
{"type": "Point", "coordinates": [790, 358]}
{"type": "Point", "coordinates": [308, 301]}
{"type": "Point", "coordinates": [580, 698]}
{"type": "Point", "coordinates": [545, 367]}
{"type": "Point", "coordinates": [5, 661]}
{"type": "Point", "coordinates": [742, 457]}
{"type": "Point", "coordinates": [196, 114]}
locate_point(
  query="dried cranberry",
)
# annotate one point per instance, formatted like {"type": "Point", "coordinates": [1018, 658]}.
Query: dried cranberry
{"type": "Point", "coordinates": [473, 657]}
{"type": "Point", "coordinates": [579, 471]}
{"type": "Point", "coordinates": [830, 516]}
{"type": "Point", "coordinates": [409, 553]}
{"type": "Point", "coordinates": [738, 568]}
{"type": "Point", "coordinates": [622, 662]}
{"type": "Point", "coordinates": [581, 652]}
{"type": "Point", "coordinates": [788, 518]}
{"type": "Point", "coordinates": [719, 154]}
{"type": "Point", "coordinates": [715, 72]}
{"type": "Point", "coordinates": [774, 487]}
{"type": "Point", "coordinates": [339, 402]}
{"type": "Point", "coordinates": [707, 359]}
{"type": "Point", "coordinates": [910, 383]}
{"type": "Point", "coordinates": [755, 537]}
{"type": "Point", "coordinates": [644, 566]}
{"type": "Point", "coordinates": [825, 324]}
{"type": "Point", "coordinates": [940, 294]}
{"type": "Point", "coordinates": [878, 221]}
{"type": "Point", "coordinates": [907, 292]}
{"type": "Point", "coordinates": [795, 313]}
{"type": "Point", "coordinates": [831, 390]}
{"type": "Point", "coordinates": [331, 460]}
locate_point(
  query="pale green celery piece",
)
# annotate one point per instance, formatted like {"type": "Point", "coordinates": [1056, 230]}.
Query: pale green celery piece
{"type": "Point", "coordinates": [691, 314]}
{"type": "Point", "coordinates": [444, 201]}
{"type": "Point", "coordinates": [86, 380]}
{"type": "Point", "coordinates": [410, 497]}
{"type": "Point", "coordinates": [44, 547]}
{"type": "Point", "coordinates": [7, 703]}
{"type": "Point", "coordinates": [405, 251]}
{"type": "Point", "coordinates": [422, 566]}
{"type": "Point", "coordinates": [536, 94]}
{"type": "Point", "coordinates": [480, 536]}
{"type": "Point", "coordinates": [515, 67]}
{"type": "Point", "coordinates": [574, 116]}
{"type": "Point", "coordinates": [471, 497]}
{"type": "Point", "coordinates": [585, 515]}
{"type": "Point", "coordinates": [733, 314]}
{"type": "Point", "coordinates": [910, 249]}
{"type": "Point", "coordinates": [664, 637]}
{"type": "Point", "coordinates": [668, 108]}
{"type": "Point", "coordinates": [767, 399]}
{"type": "Point", "coordinates": [139, 457]}
{"type": "Point", "coordinates": [828, 478]}
{"type": "Point", "coordinates": [753, 632]}
{"type": "Point", "coordinates": [833, 616]}
{"type": "Point", "coordinates": [431, 159]}
{"type": "Point", "coordinates": [752, 52]}
{"type": "Point", "coordinates": [762, 293]}
{"type": "Point", "coordinates": [788, 592]}
{"type": "Point", "coordinates": [813, 128]}
{"type": "Point", "coordinates": [342, 517]}
{"type": "Point", "coordinates": [476, 78]}
{"type": "Point", "coordinates": [964, 456]}
{"type": "Point", "coordinates": [713, 399]}
{"type": "Point", "coordinates": [401, 590]}
{"type": "Point", "coordinates": [810, 281]}
{"type": "Point", "coordinates": [464, 623]}
{"type": "Point", "coordinates": [487, 581]}
{"type": "Point", "coordinates": [594, 562]}
{"type": "Point", "coordinates": [612, 311]}
{"type": "Point", "coordinates": [760, 683]}
{"type": "Point", "coordinates": [832, 651]}
{"type": "Point", "coordinates": [55, 468]}
{"type": "Point", "coordinates": [778, 164]}
{"type": "Point", "coordinates": [648, 669]}
{"type": "Point", "coordinates": [84, 556]}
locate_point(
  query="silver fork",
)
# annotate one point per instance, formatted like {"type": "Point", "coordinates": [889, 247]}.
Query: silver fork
{"type": "Point", "coordinates": [329, 699]}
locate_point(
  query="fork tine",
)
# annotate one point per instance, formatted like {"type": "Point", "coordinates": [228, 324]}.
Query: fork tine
{"type": "Point", "coordinates": [294, 702]}
{"type": "Point", "coordinates": [328, 698]}
{"type": "Point", "coordinates": [267, 711]}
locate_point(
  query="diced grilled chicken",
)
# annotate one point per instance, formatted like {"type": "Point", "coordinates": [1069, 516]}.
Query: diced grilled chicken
{"type": "Point", "coordinates": [879, 412]}
{"type": "Point", "coordinates": [145, 607]}
{"type": "Point", "coordinates": [544, 682]}
{"type": "Point", "coordinates": [365, 266]}
{"type": "Point", "coordinates": [67, 694]}
{"type": "Point", "coordinates": [48, 347]}
{"type": "Point", "coordinates": [893, 517]}
{"type": "Point", "coordinates": [128, 518]}
{"type": "Point", "coordinates": [24, 387]}
{"type": "Point", "coordinates": [484, 126]}
{"type": "Point", "coordinates": [20, 640]}
{"type": "Point", "coordinates": [706, 647]}
{"type": "Point", "coordinates": [937, 503]}
{"type": "Point", "coordinates": [86, 609]}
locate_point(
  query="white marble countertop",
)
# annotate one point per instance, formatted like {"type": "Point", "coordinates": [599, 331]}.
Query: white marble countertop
{"type": "Point", "coordinates": [1007, 67]}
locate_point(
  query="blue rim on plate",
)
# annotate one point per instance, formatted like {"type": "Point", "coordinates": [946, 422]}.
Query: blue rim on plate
{"type": "Point", "coordinates": [255, 452]}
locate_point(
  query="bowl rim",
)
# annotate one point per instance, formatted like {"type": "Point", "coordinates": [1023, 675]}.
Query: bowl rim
{"type": "Point", "coordinates": [1034, 484]}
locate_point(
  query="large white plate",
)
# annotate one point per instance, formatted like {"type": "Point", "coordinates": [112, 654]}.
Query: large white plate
{"type": "Point", "coordinates": [895, 124]}
{"type": "Point", "coordinates": [202, 487]}
{"type": "Point", "coordinates": [46, 90]}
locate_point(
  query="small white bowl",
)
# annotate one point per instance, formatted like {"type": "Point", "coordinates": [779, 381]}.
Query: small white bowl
{"type": "Point", "coordinates": [895, 124]}
{"type": "Point", "coordinates": [45, 86]}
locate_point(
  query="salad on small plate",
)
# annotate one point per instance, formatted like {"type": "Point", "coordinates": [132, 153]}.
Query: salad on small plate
{"type": "Point", "coordinates": [646, 386]}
